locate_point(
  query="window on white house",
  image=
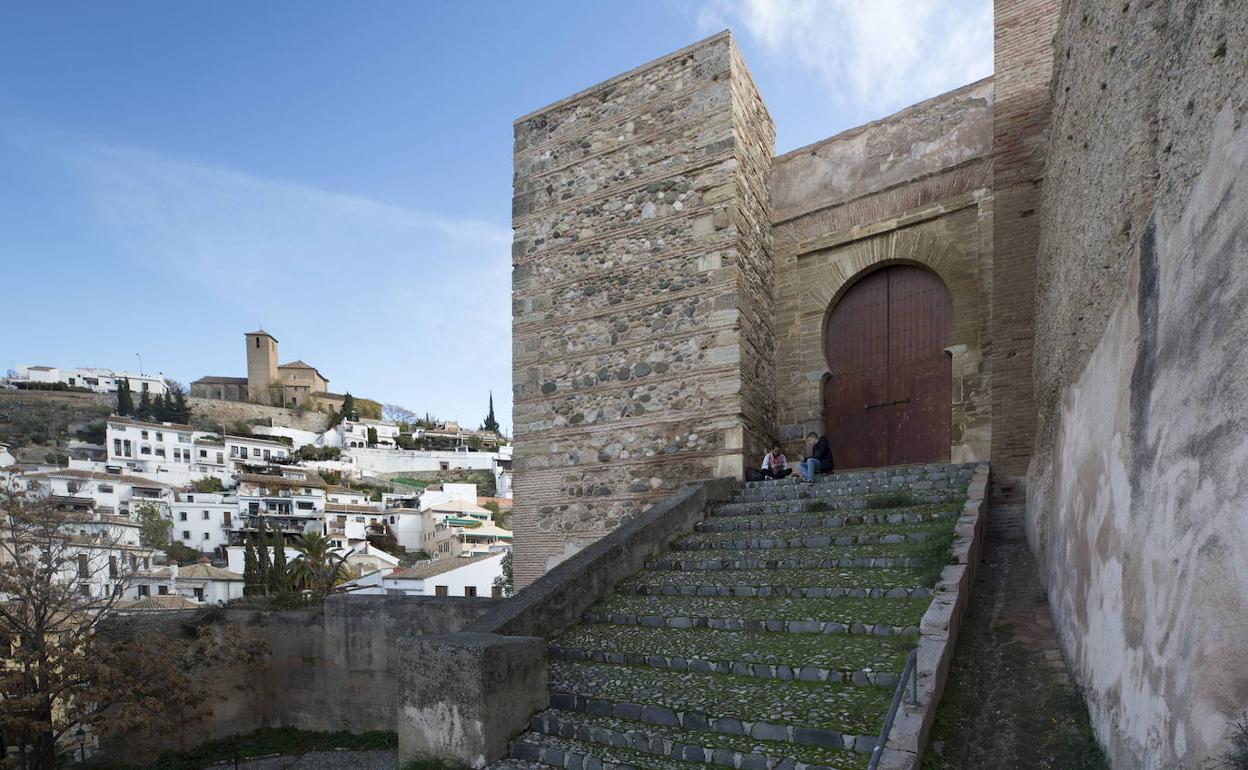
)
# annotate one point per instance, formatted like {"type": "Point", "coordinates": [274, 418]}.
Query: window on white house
{"type": "Point", "coordinates": [199, 594]}
{"type": "Point", "coordinates": [205, 515]}
{"type": "Point", "coordinates": [203, 454]}
{"type": "Point", "coordinates": [143, 434]}
{"type": "Point", "coordinates": [439, 591]}
{"type": "Point", "coordinates": [144, 591]}
{"type": "Point", "coordinates": [160, 436]}
{"type": "Point", "coordinates": [84, 589]}
{"type": "Point", "coordinates": [163, 590]}
{"type": "Point", "coordinates": [220, 458]}
{"type": "Point", "coordinates": [186, 535]}
{"type": "Point", "coordinates": [160, 451]}
{"type": "Point", "coordinates": [106, 488]}
{"type": "Point", "coordinates": [145, 450]}
{"type": "Point", "coordinates": [205, 536]}
{"type": "Point", "coordinates": [181, 515]}
{"type": "Point", "coordinates": [470, 590]}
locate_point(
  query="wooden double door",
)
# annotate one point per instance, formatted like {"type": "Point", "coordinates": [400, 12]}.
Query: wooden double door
{"type": "Point", "coordinates": [888, 396]}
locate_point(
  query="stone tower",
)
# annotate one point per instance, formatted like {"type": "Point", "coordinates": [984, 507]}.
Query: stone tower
{"type": "Point", "coordinates": [642, 295]}
{"type": "Point", "coordinates": [261, 364]}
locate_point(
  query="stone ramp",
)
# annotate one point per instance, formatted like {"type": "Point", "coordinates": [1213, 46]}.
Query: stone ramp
{"type": "Point", "coordinates": [770, 639]}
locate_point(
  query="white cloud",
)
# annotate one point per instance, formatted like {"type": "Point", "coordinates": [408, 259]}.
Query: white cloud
{"type": "Point", "coordinates": [395, 304]}
{"type": "Point", "coordinates": [873, 56]}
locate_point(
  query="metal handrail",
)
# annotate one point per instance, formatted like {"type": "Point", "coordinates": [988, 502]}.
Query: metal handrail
{"type": "Point", "coordinates": [909, 673]}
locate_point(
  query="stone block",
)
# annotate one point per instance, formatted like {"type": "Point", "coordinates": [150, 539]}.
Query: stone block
{"type": "Point", "coordinates": [463, 696]}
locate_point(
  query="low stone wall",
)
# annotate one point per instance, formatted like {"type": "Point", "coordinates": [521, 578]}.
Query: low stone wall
{"type": "Point", "coordinates": [463, 696]}
{"type": "Point", "coordinates": [938, 633]}
{"type": "Point", "coordinates": [210, 414]}
{"type": "Point", "coordinates": [328, 669]}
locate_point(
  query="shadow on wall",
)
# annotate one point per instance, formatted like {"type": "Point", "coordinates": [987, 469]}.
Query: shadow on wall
{"type": "Point", "coordinates": [1138, 513]}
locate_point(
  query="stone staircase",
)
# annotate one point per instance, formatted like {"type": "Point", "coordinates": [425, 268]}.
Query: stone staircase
{"type": "Point", "coordinates": [770, 639]}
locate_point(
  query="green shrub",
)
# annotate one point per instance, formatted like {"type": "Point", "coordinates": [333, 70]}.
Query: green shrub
{"type": "Point", "coordinates": [817, 506]}
{"type": "Point", "coordinates": [285, 741]}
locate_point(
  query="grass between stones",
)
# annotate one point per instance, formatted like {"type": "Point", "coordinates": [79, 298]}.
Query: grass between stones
{"type": "Point", "coordinates": [616, 755]}
{"type": "Point", "coordinates": [846, 577]}
{"type": "Point", "coordinates": [790, 533]}
{"type": "Point", "coordinates": [835, 652]}
{"type": "Point", "coordinates": [804, 517]}
{"type": "Point", "coordinates": [848, 609]}
{"type": "Point", "coordinates": [813, 755]}
{"type": "Point", "coordinates": [839, 707]}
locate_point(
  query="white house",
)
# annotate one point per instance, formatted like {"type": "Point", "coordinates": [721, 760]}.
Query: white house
{"type": "Point", "coordinates": [203, 520]}
{"type": "Point", "coordinates": [354, 434]}
{"type": "Point", "coordinates": [335, 493]}
{"type": "Point", "coordinates": [96, 379]}
{"type": "Point", "coordinates": [252, 450]}
{"type": "Point", "coordinates": [469, 576]}
{"type": "Point", "coordinates": [160, 450]}
{"type": "Point", "coordinates": [200, 582]}
{"type": "Point", "coordinates": [6, 457]}
{"type": "Point", "coordinates": [115, 494]}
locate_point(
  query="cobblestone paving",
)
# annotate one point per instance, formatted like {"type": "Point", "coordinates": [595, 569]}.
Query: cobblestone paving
{"type": "Point", "coordinates": [770, 639]}
{"type": "Point", "coordinates": [1010, 702]}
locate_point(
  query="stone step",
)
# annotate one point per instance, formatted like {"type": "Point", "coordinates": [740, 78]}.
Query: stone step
{"type": "Point", "coordinates": [698, 746]}
{"type": "Point", "coordinates": [812, 537]}
{"type": "Point", "coordinates": [814, 583]}
{"type": "Point", "coordinates": [863, 474]}
{"type": "Point", "coordinates": [794, 592]}
{"type": "Point", "coordinates": [824, 520]}
{"type": "Point", "coordinates": [570, 754]}
{"type": "Point", "coordinates": [894, 555]}
{"type": "Point", "coordinates": [832, 715]}
{"type": "Point", "coordinates": [858, 660]}
{"type": "Point", "coordinates": [831, 504]}
{"type": "Point", "coordinates": [882, 617]}
{"type": "Point", "coordinates": [511, 763]}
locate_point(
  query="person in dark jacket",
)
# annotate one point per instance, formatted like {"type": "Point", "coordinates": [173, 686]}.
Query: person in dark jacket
{"type": "Point", "coordinates": [818, 457]}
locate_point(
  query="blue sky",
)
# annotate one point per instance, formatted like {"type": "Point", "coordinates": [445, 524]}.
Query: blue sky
{"type": "Point", "coordinates": [175, 174]}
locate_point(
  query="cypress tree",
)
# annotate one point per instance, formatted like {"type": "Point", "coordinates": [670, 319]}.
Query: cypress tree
{"type": "Point", "coordinates": [125, 400]}
{"type": "Point", "coordinates": [264, 566]}
{"type": "Point", "coordinates": [277, 578]}
{"type": "Point", "coordinates": [144, 411]}
{"type": "Point", "coordinates": [181, 409]}
{"type": "Point", "coordinates": [251, 569]}
{"type": "Point", "coordinates": [490, 424]}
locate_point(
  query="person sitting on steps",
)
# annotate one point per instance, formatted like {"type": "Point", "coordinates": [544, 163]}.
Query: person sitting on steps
{"type": "Point", "coordinates": [818, 457]}
{"type": "Point", "coordinates": [775, 464]}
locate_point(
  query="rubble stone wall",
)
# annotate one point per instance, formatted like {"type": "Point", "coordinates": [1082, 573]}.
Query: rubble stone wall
{"type": "Point", "coordinates": [641, 295]}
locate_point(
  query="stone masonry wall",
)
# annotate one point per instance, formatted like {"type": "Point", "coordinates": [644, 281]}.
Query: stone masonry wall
{"type": "Point", "coordinates": [641, 303]}
{"type": "Point", "coordinates": [914, 187]}
{"type": "Point", "coordinates": [1023, 69]}
{"type": "Point", "coordinates": [327, 670]}
{"type": "Point", "coordinates": [1135, 504]}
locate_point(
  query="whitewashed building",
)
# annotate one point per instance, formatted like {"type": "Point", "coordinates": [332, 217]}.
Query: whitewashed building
{"type": "Point", "coordinates": [203, 520]}
{"type": "Point", "coordinates": [114, 494]}
{"type": "Point", "coordinates": [96, 379]}
{"type": "Point", "coordinates": [469, 576]}
{"type": "Point", "coordinates": [159, 450]}
{"type": "Point", "coordinates": [253, 450]}
{"type": "Point", "coordinates": [6, 456]}
{"type": "Point", "coordinates": [202, 583]}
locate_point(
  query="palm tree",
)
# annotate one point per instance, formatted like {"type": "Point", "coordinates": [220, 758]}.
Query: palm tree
{"type": "Point", "coordinates": [319, 566]}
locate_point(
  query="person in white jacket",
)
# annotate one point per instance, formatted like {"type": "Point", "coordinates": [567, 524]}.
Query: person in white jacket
{"type": "Point", "coordinates": [775, 464]}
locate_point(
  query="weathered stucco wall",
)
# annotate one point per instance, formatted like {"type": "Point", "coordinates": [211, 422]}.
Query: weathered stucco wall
{"type": "Point", "coordinates": [1135, 504]}
{"type": "Point", "coordinates": [911, 188]}
{"type": "Point", "coordinates": [641, 295]}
